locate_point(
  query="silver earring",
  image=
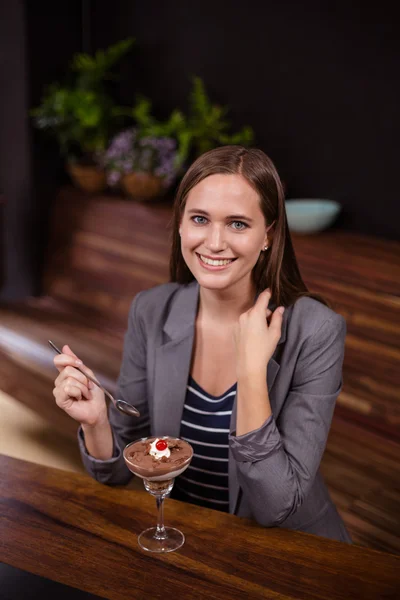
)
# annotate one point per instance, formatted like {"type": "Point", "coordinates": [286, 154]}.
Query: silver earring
{"type": "Point", "coordinates": [265, 248]}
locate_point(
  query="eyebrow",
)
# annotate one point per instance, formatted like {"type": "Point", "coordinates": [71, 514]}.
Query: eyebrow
{"type": "Point", "coordinates": [199, 211]}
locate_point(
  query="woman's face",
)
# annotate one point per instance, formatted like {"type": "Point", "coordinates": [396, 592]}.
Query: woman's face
{"type": "Point", "coordinates": [222, 231]}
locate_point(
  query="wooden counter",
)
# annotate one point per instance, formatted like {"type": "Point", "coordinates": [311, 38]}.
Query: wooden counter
{"type": "Point", "coordinates": [70, 529]}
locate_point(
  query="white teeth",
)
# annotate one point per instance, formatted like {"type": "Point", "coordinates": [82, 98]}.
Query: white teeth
{"type": "Point", "coordinates": [216, 263]}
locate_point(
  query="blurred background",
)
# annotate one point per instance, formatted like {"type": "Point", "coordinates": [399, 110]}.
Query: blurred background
{"type": "Point", "coordinates": [103, 106]}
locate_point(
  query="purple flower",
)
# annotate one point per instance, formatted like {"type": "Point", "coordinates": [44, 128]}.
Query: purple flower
{"type": "Point", "coordinates": [113, 178]}
{"type": "Point", "coordinates": [128, 152]}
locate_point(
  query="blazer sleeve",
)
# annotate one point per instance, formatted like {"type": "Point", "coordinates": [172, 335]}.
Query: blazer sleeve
{"type": "Point", "coordinates": [277, 463]}
{"type": "Point", "coordinates": [132, 387]}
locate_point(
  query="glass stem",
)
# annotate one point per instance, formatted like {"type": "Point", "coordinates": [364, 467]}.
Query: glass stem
{"type": "Point", "coordinates": [160, 533]}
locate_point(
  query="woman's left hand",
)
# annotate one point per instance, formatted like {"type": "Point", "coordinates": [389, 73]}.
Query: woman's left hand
{"type": "Point", "coordinates": [255, 338]}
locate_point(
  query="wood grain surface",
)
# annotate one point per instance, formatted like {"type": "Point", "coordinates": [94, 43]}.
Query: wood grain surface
{"type": "Point", "coordinates": [68, 528]}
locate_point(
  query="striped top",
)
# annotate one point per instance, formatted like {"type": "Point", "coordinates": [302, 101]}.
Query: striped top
{"type": "Point", "coordinates": [205, 425]}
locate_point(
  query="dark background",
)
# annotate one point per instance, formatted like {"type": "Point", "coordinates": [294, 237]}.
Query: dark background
{"type": "Point", "coordinates": [317, 81]}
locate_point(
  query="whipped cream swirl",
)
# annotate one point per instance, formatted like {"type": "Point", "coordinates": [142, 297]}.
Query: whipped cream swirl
{"type": "Point", "coordinates": [158, 454]}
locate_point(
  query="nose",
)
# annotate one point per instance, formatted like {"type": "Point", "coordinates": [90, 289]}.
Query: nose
{"type": "Point", "coordinates": [215, 241]}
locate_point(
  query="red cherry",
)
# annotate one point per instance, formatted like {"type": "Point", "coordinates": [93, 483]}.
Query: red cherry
{"type": "Point", "coordinates": [161, 445]}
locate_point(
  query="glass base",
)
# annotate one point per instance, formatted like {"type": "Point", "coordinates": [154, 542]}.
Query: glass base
{"type": "Point", "coordinates": [173, 540]}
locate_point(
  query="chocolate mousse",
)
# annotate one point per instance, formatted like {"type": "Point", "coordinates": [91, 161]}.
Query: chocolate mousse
{"type": "Point", "coordinates": [158, 459]}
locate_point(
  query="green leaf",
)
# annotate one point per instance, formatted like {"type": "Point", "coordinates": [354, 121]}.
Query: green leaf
{"type": "Point", "coordinates": [209, 124]}
{"type": "Point", "coordinates": [141, 112]}
{"type": "Point", "coordinates": [92, 70]}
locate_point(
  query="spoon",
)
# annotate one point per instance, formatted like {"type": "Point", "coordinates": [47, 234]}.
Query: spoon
{"type": "Point", "coordinates": [122, 406]}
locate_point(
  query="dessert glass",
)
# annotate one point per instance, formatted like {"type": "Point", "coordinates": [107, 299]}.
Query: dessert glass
{"type": "Point", "coordinates": [158, 480]}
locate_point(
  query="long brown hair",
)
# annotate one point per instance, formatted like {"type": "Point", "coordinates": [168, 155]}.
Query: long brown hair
{"type": "Point", "coordinates": [277, 267]}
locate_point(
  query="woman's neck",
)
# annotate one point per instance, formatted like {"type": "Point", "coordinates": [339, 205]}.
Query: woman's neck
{"type": "Point", "coordinates": [225, 306]}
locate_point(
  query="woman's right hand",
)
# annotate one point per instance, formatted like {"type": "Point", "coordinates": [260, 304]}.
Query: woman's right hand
{"type": "Point", "coordinates": [75, 394]}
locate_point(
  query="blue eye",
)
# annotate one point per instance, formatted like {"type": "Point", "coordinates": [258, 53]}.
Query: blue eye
{"type": "Point", "coordinates": [238, 225]}
{"type": "Point", "coordinates": [199, 220]}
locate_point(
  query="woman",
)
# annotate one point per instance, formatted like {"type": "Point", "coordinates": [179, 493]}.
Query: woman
{"type": "Point", "coordinates": [234, 355]}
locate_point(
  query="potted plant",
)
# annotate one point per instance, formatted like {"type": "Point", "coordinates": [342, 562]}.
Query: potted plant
{"type": "Point", "coordinates": [143, 165]}
{"type": "Point", "coordinates": [81, 114]}
{"type": "Point", "coordinates": [146, 159]}
{"type": "Point", "coordinates": [203, 128]}
{"type": "Point", "coordinates": [208, 124]}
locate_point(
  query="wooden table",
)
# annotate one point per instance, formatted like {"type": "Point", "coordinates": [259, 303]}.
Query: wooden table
{"type": "Point", "coordinates": [70, 529]}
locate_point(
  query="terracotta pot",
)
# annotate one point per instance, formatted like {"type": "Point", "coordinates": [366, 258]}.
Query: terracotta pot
{"type": "Point", "coordinates": [142, 186]}
{"type": "Point", "coordinates": [88, 178]}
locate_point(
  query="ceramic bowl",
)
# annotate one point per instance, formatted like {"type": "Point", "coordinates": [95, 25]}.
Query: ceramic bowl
{"type": "Point", "coordinates": [310, 215]}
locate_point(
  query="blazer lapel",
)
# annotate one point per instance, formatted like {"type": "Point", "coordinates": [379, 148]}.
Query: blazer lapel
{"type": "Point", "coordinates": [172, 362]}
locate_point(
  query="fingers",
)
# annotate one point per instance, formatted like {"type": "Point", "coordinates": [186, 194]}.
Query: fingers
{"type": "Point", "coordinates": [69, 359]}
{"type": "Point", "coordinates": [64, 360]}
{"type": "Point", "coordinates": [262, 305]}
{"type": "Point", "coordinates": [262, 301]}
{"type": "Point", "coordinates": [68, 386]}
{"type": "Point", "coordinates": [275, 325]}
{"type": "Point", "coordinates": [70, 371]}
{"type": "Point", "coordinates": [72, 392]}
{"type": "Point", "coordinates": [89, 372]}
{"type": "Point", "coordinates": [69, 376]}
{"type": "Point", "coordinates": [67, 350]}
{"type": "Point", "coordinates": [75, 390]}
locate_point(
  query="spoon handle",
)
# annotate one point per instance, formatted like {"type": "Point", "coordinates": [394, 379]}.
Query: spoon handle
{"type": "Point", "coordinates": [120, 404]}
{"type": "Point", "coordinates": [86, 374]}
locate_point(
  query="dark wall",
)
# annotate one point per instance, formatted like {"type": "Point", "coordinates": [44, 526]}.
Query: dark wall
{"type": "Point", "coordinates": [53, 34]}
{"type": "Point", "coordinates": [37, 39]}
{"type": "Point", "coordinates": [15, 163]}
{"type": "Point", "coordinates": [318, 82]}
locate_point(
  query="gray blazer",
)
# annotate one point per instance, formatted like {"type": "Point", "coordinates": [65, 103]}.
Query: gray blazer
{"type": "Point", "coordinates": [274, 474]}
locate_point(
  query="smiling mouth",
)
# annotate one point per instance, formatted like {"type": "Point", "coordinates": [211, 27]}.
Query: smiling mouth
{"type": "Point", "coordinates": [222, 262]}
